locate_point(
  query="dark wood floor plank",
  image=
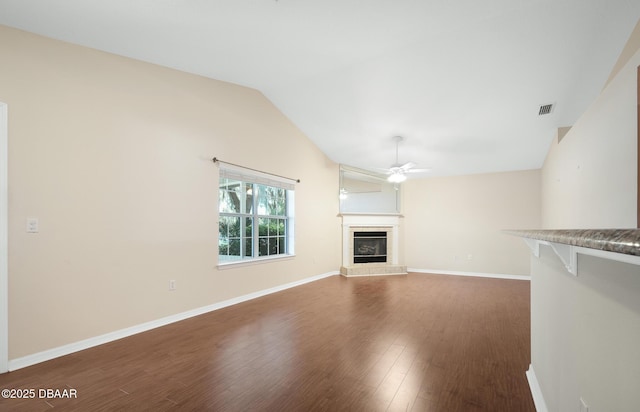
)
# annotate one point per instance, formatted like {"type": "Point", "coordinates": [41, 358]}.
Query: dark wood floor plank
{"type": "Point", "coordinates": [398, 343]}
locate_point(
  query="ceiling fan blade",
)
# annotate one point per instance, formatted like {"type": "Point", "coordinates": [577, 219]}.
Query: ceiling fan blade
{"type": "Point", "coordinates": [382, 170]}
{"type": "Point", "coordinates": [407, 166]}
{"type": "Point", "coordinates": [423, 170]}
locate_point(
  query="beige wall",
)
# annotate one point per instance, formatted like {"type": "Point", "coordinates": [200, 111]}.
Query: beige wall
{"type": "Point", "coordinates": [589, 179]}
{"type": "Point", "coordinates": [113, 156]}
{"type": "Point", "coordinates": [449, 218]}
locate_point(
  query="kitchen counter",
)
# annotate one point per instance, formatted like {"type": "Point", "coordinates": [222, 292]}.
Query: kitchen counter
{"type": "Point", "coordinates": [624, 241]}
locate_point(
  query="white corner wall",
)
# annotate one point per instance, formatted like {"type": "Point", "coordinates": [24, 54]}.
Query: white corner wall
{"type": "Point", "coordinates": [585, 332]}
{"type": "Point", "coordinates": [589, 179]}
{"type": "Point", "coordinates": [585, 329]}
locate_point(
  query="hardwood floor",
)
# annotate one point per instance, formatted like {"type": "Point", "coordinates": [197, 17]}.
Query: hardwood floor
{"type": "Point", "coordinates": [397, 343]}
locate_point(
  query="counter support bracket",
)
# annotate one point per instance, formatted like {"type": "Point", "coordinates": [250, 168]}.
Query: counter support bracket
{"type": "Point", "coordinates": [568, 254]}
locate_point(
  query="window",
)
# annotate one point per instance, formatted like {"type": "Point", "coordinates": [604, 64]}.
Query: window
{"type": "Point", "coordinates": [255, 217]}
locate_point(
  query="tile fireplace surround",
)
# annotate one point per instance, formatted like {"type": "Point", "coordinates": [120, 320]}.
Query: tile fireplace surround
{"type": "Point", "coordinates": [390, 224]}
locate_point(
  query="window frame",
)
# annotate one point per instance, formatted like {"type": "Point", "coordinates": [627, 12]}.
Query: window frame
{"type": "Point", "coordinates": [258, 182]}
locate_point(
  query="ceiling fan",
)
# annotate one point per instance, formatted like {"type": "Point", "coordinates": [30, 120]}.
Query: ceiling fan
{"type": "Point", "coordinates": [398, 172]}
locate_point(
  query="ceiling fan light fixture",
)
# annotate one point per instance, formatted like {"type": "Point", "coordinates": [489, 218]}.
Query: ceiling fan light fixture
{"type": "Point", "coordinates": [397, 177]}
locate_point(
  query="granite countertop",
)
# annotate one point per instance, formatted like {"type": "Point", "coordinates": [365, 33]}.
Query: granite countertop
{"type": "Point", "coordinates": [626, 241]}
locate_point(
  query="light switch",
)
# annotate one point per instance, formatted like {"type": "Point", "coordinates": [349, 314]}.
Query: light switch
{"type": "Point", "coordinates": [32, 225]}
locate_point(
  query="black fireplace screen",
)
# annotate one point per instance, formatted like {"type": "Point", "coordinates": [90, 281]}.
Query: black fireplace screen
{"type": "Point", "coordinates": [369, 247]}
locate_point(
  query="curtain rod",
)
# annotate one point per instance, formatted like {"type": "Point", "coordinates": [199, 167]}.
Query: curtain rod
{"type": "Point", "coordinates": [216, 160]}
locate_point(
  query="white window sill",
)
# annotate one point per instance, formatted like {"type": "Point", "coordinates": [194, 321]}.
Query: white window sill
{"type": "Point", "coordinates": [251, 262]}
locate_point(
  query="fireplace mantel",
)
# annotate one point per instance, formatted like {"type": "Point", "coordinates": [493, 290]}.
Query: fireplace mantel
{"type": "Point", "coordinates": [389, 223]}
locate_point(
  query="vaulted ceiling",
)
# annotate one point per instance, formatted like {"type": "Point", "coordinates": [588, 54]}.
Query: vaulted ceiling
{"type": "Point", "coordinates": [461, 80]}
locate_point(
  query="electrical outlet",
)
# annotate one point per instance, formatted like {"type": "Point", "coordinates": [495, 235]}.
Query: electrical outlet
{"type": "Point", "coordinates": [32, 225]}
{"type": "Point", "coordinates": [172, 285]}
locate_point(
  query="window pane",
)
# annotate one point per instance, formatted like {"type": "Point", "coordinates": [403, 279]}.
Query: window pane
{"type": "Point", "coordinates": [273, 226]}
{"type": "Point", "coordinates": [263, 228]}
{"type": "Point", "coordinates": [281, 203]}
{"type": "Point", "coordinates": [224, 226]}
{"type": "Point", "coordinates": [248, 244]}
{"type": "Point", "coordinates": [234, 247]}
{"type": "Point", "coordinates": [263, 247]}
{"type": "Point", "coordinates": [248, 236]}
{"type": "Point", "coordinates": [223, 246]}
{"type": "Point", "coordinates": [229, 196]}
{"type": "Point", "coordinates": [273, 245]}
{"type": "Point", "coordinates": [234, 226]}
{"type": "Point", "coordinates": [262, 199]}
{"type": "Point", "coordinates": [228, 236]}
{"type": "Point", "coordinates": [248, 227]}
{"type": "Point", "coordinates": [248, 204]}
{"type": "Point", "coordinates": [281, 245]}
{"type": "Point", "coordinates": [275, 201]}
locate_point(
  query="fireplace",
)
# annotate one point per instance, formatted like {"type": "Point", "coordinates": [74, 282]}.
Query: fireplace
{"type": "Point", "coordinates": [369, 247]}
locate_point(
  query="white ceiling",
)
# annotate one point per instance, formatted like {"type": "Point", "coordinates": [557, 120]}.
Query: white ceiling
{"type": "Point", "coordinates": [461, 80]}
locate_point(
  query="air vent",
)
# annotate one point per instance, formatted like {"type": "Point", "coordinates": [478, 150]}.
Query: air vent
{"type": "Point", "coordinates": [545, 109]}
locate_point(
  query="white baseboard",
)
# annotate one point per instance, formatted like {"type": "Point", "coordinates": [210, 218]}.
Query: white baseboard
{"type": "Point", "coordinates": [536, 392]}
{"type": "Point", "coordinates": [474, 274]}
{"type": "Point", "coordinates": [49, 354]}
